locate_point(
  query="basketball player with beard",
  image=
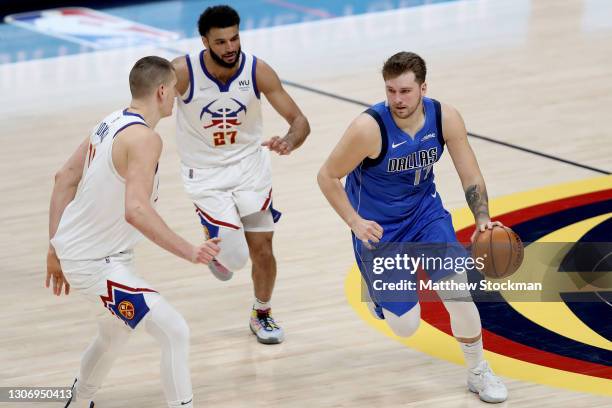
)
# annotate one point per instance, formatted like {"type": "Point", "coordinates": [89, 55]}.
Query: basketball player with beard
{"type": "Point", "coordinates": [388, 154]}
{"type": "Point", "coordinates": [225, 166]}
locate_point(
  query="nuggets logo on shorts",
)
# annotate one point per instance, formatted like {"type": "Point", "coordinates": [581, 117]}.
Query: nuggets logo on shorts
{"type": "Point", "coordinates": [126, 309]}
{"type": "Point", "coordinates": [127, 303]}
{"type": "Point", "coordinates": [206, 232]}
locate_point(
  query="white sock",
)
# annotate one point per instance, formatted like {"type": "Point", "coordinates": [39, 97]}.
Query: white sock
{"type": "Point", "coordinates": [259, 305]}
{"type": "Point", "coordinates": [473, 353]}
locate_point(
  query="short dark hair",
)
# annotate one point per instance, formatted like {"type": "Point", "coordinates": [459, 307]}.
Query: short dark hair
{"type": "Point", "coordinates": [217, 17]}
{"type": "Point", "coordinates": [403, 62]}
{"type": "Point", "coordinates": [148, 73]}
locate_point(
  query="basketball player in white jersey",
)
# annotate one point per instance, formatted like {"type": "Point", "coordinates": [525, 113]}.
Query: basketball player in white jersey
{"type": "Point", "coordinates": [102, 204]}
{"type": "Point", "coordinates": [225, 167]}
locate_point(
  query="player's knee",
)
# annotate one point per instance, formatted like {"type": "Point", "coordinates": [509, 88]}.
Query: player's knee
{"type": "Point", "coordinates": [261, 253]}
{"type": "Point", "coordinates": [177, 329]}
{"type": "Point", "coordinates": [405, 325]}
{"type": "Point", "coordinates": [405, 329]}
{"type": "Point", "coordinates": [263, 257]}
{"type": "Point", "coordinates": [166, 324]}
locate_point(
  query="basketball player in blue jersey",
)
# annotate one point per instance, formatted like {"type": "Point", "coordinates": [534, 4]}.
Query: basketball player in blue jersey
{"type": "Point", "coordinates": [388, 153]}
{"type": "Point", "coordinates": [225, 166]}
{"type": "Point", "coordinates": [102, 204]}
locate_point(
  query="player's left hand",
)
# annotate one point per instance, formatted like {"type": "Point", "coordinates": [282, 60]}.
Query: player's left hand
{"type": "Point", "coordinates": [280, 145]}
{"type": "Point", "coordinates": [54, 272]}
{"type": "Point", "coordinates": [484, 225]}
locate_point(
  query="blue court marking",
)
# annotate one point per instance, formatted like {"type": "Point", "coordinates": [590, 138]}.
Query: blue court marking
{"type": "Point", "coordinates": [180, 16]}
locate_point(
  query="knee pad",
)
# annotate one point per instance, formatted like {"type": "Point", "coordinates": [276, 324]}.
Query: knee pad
{"type": "Point", "coordinates": [261, 221]}
{"type": "Point", "coordinates": [405, 325]}
{"type": "Point", "coordinates": [465, 319]}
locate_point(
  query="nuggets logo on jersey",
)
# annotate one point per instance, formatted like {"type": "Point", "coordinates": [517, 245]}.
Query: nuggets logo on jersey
{"type": "Point", "coordinates": [222, 116]}
{"type": "Point", "coordinates": [219, 115]}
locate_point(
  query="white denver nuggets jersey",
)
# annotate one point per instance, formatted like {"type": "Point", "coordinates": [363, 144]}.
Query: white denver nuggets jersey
{"type": "Point", "coordinates": [93, 225]}
{"type": "Point", "coordinates": [219, 124]}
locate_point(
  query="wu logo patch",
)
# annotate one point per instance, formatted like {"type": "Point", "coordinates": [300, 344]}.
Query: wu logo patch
{"type": "Point", "coordinates": [244, 84]}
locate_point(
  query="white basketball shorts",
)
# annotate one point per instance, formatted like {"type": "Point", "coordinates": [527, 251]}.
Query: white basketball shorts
{"type": "Point", "coordinates": [224, 195]}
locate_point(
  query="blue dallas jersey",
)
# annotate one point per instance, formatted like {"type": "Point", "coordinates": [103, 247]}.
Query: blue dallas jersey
{"type": "Point", "coordinates": [397, 188]}
{"type": "Point", "coordinates": [397, 191]}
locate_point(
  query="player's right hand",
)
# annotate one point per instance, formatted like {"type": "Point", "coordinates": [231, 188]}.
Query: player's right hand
{"type": "Point", "coordinates": [367, 231]}
{"type": "Point", "coordinates": [55, 274]}
{"type": "Point", "coordinates": [206, 252]}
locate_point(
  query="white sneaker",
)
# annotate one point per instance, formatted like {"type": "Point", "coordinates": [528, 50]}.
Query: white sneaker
{"type": "Point", "coordinates": [220, 271]}
{"type": "Point", "coordinates": [486, 384]}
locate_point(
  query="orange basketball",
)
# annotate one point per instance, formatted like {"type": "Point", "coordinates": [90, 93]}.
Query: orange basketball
{"type": "Point", "coordinates": [500, 250]}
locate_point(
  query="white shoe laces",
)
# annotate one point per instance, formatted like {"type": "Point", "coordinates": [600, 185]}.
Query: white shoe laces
{"type": "Point", "coordinates": [489, 377]}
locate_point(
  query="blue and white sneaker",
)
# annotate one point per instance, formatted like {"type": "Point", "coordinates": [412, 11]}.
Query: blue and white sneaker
{"type": "Point", "coordinates": [263, 326]}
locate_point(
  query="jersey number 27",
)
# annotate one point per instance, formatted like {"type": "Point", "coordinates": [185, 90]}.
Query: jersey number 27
{"type": "Point", "coordinates": [219, 137]}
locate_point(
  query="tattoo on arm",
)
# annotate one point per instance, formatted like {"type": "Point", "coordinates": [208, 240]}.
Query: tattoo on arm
{"type": "Point", "coordinates": [478, 201]}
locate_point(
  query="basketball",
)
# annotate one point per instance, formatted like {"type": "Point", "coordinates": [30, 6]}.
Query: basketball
{"type": "Point", "coordinates": [501, 250]}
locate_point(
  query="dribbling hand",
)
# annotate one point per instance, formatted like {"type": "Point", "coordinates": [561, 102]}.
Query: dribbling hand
{"type": "Point", "coordinates": [484, 225]}
{"type": "Point", "coordinates": [206, 252]}
{"type": "Point", "coordinates": [367, 231]}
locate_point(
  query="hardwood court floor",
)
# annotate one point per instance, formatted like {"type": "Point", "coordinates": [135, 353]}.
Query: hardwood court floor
{"type": "Point", "coordinates": [535, 74]}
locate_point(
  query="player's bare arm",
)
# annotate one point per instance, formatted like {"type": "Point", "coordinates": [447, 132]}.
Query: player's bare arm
{"type": "Point", "coordinates": [182, 75]}
{"type": "Point", "coordinates": [269, 83]}
{"type": "Point", "coordinates": [136, 153]}
{"type": "Point", "coordinates": [464, 159]}
{"type": "Point", "coordinates": [361, 140]}
{"type": "Point", "coordinates": [66, 182]}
